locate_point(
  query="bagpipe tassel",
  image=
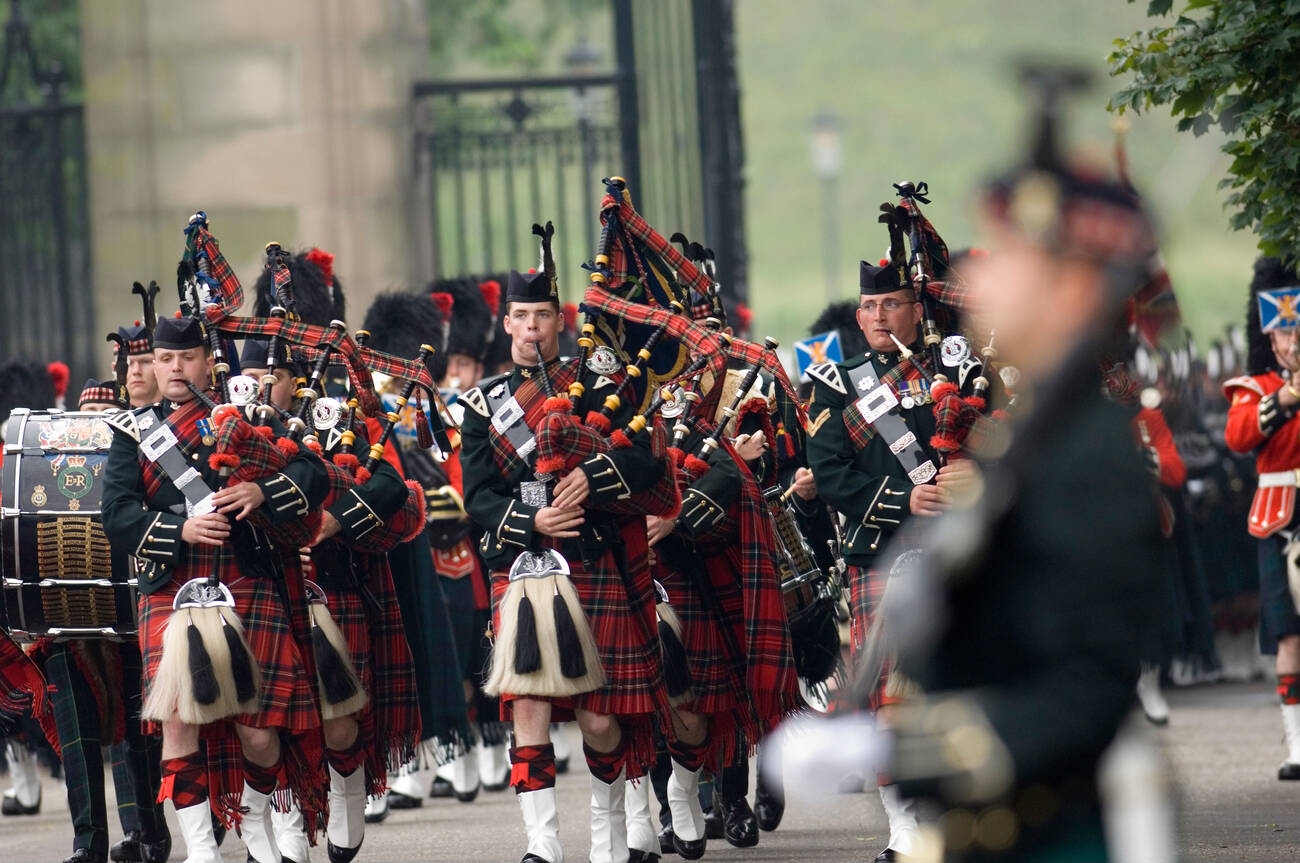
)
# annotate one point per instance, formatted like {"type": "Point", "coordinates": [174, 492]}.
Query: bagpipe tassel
{"type": "Point", "coordinates": [423, 431]}
{"type": "Point", "coordinates": [572, 662]}
{"type": "Point", "coordinates": [598, 421]}
{"type": "Point", "coordinates": [341, 692]}
{"type": "Point", "coordinates": [558, 648]}
{"type": "Point", "coordinates": [528, 653]}
{"type": "Point", "coordinates": [677, 671]}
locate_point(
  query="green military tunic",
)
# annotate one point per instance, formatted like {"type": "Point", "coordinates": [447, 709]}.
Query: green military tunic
{"type": "Point", "coordinates": [856, 471]}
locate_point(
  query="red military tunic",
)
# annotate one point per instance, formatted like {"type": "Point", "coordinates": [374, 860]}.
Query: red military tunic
{"type": "Point", "coordinates": [1256, 422]}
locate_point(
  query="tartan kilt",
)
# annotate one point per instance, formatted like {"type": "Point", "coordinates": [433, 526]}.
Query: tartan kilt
{"type": "Point", "coordinates": [390, 720]}
{"type": "Point", "coordinates": [714, 684]}
{"type": "Point", "coordinates": [288, 696]}
{"type": "Point", "coordinates": [1277, 610]}
{"type": "Point", "coordinates": [866, 587]}
{"type": "Point", "coordinates": [626, 633]}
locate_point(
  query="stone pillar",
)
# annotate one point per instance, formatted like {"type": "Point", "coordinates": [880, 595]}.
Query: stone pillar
{"type": "Point", "coordinates": [284, 120]}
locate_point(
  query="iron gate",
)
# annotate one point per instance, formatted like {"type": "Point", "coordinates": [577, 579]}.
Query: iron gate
{"type": "Point", "coordinates": [46, 301]}
{"type": "Point", "coordinates": [494, 156]}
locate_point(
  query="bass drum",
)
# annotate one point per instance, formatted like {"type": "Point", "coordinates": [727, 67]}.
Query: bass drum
{"type": "Point", "coordinates": [57, 569]}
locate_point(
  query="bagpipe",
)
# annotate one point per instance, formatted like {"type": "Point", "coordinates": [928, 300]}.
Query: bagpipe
{"type": "Point", "coordinates": [208, 672]}
{"type": "Point", "coordinates": [958, 381]}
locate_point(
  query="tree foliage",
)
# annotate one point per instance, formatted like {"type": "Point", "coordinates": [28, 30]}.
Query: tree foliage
{"type": "Point", "coordinates": [55, 38]}
{"type": "Point", "coordinates": [1234, 64]}
{"type": "Point", "coordinates": [512, 35]}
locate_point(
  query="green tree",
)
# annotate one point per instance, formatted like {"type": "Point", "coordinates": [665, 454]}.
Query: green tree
{"type": "Point", "coordinates": [1234, 64]}
{"type": "Point", "coordinates": [55, 38]}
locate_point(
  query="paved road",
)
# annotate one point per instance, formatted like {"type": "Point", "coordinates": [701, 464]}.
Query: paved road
{"type": "Point", "coordinates": [1223, 743]}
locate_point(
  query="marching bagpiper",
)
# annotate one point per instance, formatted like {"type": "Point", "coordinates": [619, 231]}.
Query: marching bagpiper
{"type": "Point", "coordinates": [184, 531]}
{"type": "Point", "coordinates": [570, 547]}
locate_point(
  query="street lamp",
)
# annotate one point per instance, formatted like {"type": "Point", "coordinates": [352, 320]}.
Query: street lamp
{"type": "Point", "coordinates": [826, 163]}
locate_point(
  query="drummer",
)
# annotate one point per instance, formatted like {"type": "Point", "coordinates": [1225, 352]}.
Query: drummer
{"type": "Point", "coordinates": [96, 685]}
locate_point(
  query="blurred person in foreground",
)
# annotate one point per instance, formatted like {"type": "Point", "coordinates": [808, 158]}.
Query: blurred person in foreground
{"type": "Point", "coordinates": [1025, 622]}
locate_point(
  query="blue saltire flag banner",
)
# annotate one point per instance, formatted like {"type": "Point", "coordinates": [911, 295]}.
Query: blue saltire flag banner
{"type": "Point", "coordinates": [1279, 309]}
{"type": "Point", "coordinates": [821, 348]}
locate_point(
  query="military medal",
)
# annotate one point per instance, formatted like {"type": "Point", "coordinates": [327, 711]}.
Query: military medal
{"type": "Point", "coordinates": [205, 432]}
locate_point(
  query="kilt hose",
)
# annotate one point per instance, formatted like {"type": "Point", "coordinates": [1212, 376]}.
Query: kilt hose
{"type": "Point", "coordinates": [626, 633]}
{"type": "Point", "coordinates": [81, 674]}
{"type": "Point", "coordinates": [288, 699]}
{"type": "Point", "coordinates": [390, 721]}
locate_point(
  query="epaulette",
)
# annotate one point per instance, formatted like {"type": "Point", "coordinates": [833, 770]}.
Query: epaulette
{"type": "Point", "coordinates": [829, 374]}
{"type": "Point", "coordinates": [475, 399]}
{"type": "Point", "coordinates": [1245, 382]}
{"type": "Point", "coordinates": [124, 421]}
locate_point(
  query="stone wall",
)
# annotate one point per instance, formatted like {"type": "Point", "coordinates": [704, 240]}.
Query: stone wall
{"type": "Point", "coordinates": [285, 120]}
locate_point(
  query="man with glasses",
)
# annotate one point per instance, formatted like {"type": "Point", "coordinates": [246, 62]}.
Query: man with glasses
{"type": "Point", "coordinates": [870, 420]}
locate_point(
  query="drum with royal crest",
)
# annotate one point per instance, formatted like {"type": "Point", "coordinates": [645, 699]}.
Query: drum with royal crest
{"type": "Point", "coordinates": [58, 577]}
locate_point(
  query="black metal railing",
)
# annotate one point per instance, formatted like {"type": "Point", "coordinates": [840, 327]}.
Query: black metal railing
{"type": "Point", "coordinates": [46, 295]}
{"type": "Point", "coordinates": [495, 156]}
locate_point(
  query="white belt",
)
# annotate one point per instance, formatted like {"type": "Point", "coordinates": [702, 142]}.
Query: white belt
{"type": "Point", "coordinates": [1280, 479]}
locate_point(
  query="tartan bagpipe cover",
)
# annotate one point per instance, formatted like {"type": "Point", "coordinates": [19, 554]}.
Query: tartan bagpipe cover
{"type": "Point", "coordinates": [244, 454]}
{"type": "Point", "coordinates": [22, 686]}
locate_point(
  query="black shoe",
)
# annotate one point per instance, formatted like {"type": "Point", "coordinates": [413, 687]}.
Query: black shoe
{"type": "Point", "coordinates": [635, 855]}
{"type": "Point", "coordinates": [11, 806]}
{"type": "Point", "coordinates": [889, 855]}
{"type": "Point", "coordinates": [739, 826]}
{"type": "Point", "coordinates": [441, 788]}
{"type": "Point", "coordinates": [398, 800]}
{"type": "Point", "coordinates": [1287, 772]}
{"type": "Point", "coordinates": [467, 796]}
{"type": "Point", "coordinates": [533, 858]}
{"type": "Point", "coordinates": [768, 809]}
{"type": "Point", "coordinates": [666, 841]}
{"type": "Point", "coordinates": [85, 855]}
{"type": "Point", "coordinates": [692, 850]}
{"type": "Point", "coordinates": [155, 849]}
{"type": "Point", "coordinates": [128, 850]}
{"type": "Point", "coordinates": [713, 828]}
{"type": "Point", "coordinates": [341, 855]}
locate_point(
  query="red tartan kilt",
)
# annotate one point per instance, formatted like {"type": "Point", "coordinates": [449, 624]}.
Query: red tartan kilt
{"type": "Point", "coordinates": [713, 680]}
{"type": "Point", "coordinates": [287, 696]}
{"type": "Point", "coordinates": [349, 613]}
{"type": "Point", "coordinates": [625, 630]}
{"type": "Point", "coordinates": [866, 587]}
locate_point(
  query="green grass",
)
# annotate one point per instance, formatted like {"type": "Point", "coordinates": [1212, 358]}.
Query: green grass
{"type": "Point", "coordinates": [924, 91]}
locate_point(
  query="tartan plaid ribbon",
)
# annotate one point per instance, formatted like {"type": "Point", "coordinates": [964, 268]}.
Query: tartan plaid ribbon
{"type": "Point", "coordinates": [697, 338]}
{"type": "Point", "coordinates": [361, 361]}
{"type": "Point", "coordinates": [859, 430]}
{"type": "Point", "coordinates": [531, 399]}
{"type": "Point", "coordinates": [202, 250]}
{"type": "Point", "coordinates": [933, 251]}
{"type": "Point", "coordinates": [641, 253]}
